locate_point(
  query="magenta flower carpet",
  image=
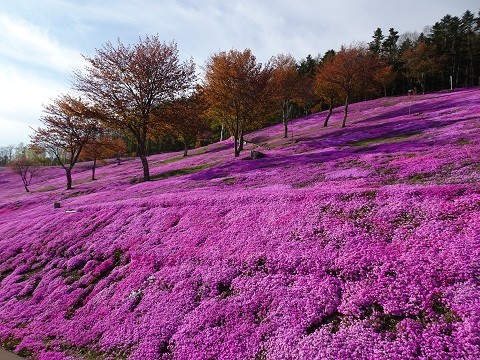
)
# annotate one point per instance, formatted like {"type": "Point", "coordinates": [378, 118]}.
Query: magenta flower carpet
{"type": "Point", "coordinates": [354, 243]}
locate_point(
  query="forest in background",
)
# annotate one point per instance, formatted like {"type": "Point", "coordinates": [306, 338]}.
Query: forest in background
{"type": "Point", "coordinates": [237, 94]}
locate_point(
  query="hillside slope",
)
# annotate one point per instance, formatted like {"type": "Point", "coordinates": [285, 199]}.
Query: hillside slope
{"type": "Point", "coordinates": [361, 242]}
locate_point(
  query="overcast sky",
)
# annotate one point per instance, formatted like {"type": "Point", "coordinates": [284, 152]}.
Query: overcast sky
{"type": "Point", "coordinates": [41, 41]}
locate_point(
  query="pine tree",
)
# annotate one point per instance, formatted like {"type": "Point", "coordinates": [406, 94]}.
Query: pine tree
{"type": "Point", "coordinates": [375, 46]}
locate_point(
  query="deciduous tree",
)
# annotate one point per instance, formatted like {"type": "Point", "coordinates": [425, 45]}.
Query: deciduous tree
{"type": "Point", "coordinates": [328, 91]}
{"type": "Point", "coordinates": [102, 147]}
{"type": "Point", "coordinates": [286, 85]}
{"type": "Point", "coordinates": [186, 118]}
{"type": "Point", "coordinates": [70, 124]}
{"type": "Point", "coordinates": [26, 168]}
{"type": "Point", "coordinates": [132, 83]}
{"type": "Point", "coordinates": [384, 75]}
{"type": "Point", "coordinates": [237, 88]}
{"type": "Point", "coordinates": [421, 61]}
{"type": "Point", "coordinates": [348, 72]}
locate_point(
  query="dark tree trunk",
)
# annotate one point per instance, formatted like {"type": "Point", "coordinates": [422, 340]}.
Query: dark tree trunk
{"type": "Point", "coordinates": [142, 151]}
{"type": "Point", "coordinates": [384, 90]}
{"type": "Point", "coordinates": [285, 119]}
{"type": "Point", "coordinates": [25, 181]}
{"type": "Point", "coordinates": [345, 113]}
{"type": "Point", "coordinates": [422, 83]}
{"type": "Point", "coordinates": [69, 178]}
{"type": "Point", "coordinates": [330, 108]}
{"type": "Point", "coordinates": [185, 149]}
{"type": "Point", "coordinates": [94, 168]}
{"type": "Point", "coordinates": [240, 145]}
{"type": "Point", "coordinates": [146, 169]}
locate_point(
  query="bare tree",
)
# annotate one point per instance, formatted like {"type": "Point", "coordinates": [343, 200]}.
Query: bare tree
{"type": "Point", "coordinates": [26, 168]}
{"type": "Point", "coordinates": [131, 83]}
{"type": "Point", "coordinates": [70, 125]}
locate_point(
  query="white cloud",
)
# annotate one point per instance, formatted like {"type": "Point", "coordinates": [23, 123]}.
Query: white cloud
{"type": "Point", "coordinates": [24, 42]}
{"type": "Point", "coordinates": [14, 132]}
{"type": "Point", "coordinates": [22, 95]}
{"type": "Point", "coordinates": [41, 41]}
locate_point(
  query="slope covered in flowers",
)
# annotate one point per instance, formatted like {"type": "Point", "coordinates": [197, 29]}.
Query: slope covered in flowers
{"type": "Point", "coordinates": [361, 243]}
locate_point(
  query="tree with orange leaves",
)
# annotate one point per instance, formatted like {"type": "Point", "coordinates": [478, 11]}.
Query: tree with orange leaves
{"type": "Point", "coordinates": [349, 73]}
{"type": "Point", "coordinates": [131, 83]}
{"type": "Point", "coordinates": [70, 124]}
{"type": "Point", "coordinates": [186, 118]}
{"type": "Point", "coordinates": [286, 85]}
{"type": "Point", "coordinates": [421, 61]}
{"type": "Point", "coordinates": [384, 76]}
{"type": "Point", "coordinates": [237, 89]}
{"type": "Point", "coordinates": [102, 147]}
{"type": "Point", "coordinates": [325, 89]}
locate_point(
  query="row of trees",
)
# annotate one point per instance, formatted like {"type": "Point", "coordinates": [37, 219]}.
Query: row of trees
{"type": "Point", "coordinates": [447, 54]}
{"type": "Point", "coordinates": [143, 93]}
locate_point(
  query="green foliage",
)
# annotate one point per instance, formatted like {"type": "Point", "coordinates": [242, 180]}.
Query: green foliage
{"type": "Point", "coordinates": [175, 172]}
{"type": "Point", "coordinates": [384, 140]}
{"type": "Point", "coordinates": [10, 343]}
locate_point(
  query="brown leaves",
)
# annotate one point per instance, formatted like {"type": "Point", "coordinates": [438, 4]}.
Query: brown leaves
{"type": "Point", "coordinates": [70, 124]}
{"type": "Point", "coordinates": [286, 79]}
{"type": "Point", "coordinates": [237, 88]}
{"type": "Point", "coordinates": [129, 81]}
{"type": "Point", "coordinates": [130, 84]}
{"type": "Point", "coordinates": [421, 61]}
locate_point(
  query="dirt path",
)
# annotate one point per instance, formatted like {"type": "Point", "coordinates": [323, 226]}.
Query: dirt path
{"type": "Point", "coordinates": [6, 355]}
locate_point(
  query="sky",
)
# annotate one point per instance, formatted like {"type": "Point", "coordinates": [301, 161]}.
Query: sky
{"type": "Point", "coordinates": [42, 41]}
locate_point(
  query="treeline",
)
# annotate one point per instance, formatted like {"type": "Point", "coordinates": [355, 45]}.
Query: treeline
{"type": "Point", "coordinates": [142, 99]}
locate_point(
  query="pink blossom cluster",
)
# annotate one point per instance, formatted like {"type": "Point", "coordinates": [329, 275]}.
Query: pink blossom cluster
{"type": "Point", "coordinates": [355, 243]}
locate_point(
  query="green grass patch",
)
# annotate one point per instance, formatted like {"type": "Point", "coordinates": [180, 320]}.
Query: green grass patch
{"type": "Point", "coordinates": [31, 273]}
{"type": "Point", "coordinates": [230, 180]}
{"type": "Point", "coordinates": [10, 343]}
{"type": "Point", "coordinates": [91, 353]}
{"type": "Point", "coordinates": [199, 151]}
{"type": "Point", "coordinates": [47, 188]}
{"type": "Point", "coordinates": [420, 178]}
{"type": "Point", "coordinates": [72, 276]}
{"type": "Point", "coordinates": [180, 172]}
{"type": "Point", "coordinates": [82, 181]}
{"type": "Point", "coordinates": [462, 142]}
{"type": "Point", "coordinates": [387, 171]}
{"type": "Point", "coordinates": [168, 161]}
{"type": "Point", "coordinates": [175, 172]}
{"type": "Point", "coordinates": [5, 273]}
{"type": "Point", "coordinates": [74, 193]}
{"type": "Point", "coordinates": [301, 185]}
{"type": "Point", "coordinates": [383, 140]}
{"type": "Point", "coordinates": [83, 352]}
{"type": "Point", "coordinates": [25, 352]}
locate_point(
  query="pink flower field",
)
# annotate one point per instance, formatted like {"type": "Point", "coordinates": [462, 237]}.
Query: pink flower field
{"type": "Point", "coordinates": [354, 243]}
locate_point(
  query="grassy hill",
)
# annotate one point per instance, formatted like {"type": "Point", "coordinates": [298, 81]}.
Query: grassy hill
{"type": "Point", "coordinates": [361, 242]}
